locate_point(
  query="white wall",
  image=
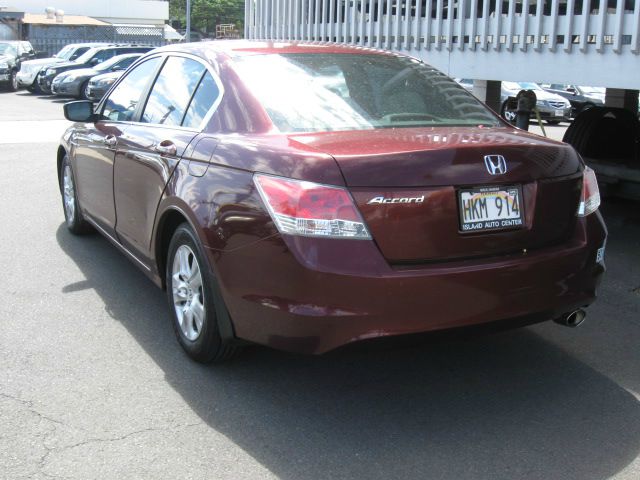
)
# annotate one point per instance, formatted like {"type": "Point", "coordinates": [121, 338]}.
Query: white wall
{"type": "Point", "coordinates": [113, 11]}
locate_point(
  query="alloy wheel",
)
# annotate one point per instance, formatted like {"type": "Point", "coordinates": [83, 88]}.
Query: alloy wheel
{"type": "Point", "coordinates": [510, 115]}
{"type": "Point", "coordinates": [188, 293]}
{"type": "Point", "coordinates": [69, 194]}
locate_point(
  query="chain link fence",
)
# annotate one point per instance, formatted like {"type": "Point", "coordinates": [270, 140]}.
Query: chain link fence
{"type": "Point", "coordinates": [51, 38]}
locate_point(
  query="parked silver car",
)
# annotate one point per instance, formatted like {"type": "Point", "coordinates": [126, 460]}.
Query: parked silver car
{"type": "Point", "coordinates": [553, 108]}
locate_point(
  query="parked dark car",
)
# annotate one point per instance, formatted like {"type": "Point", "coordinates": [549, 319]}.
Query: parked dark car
{"type": "Point", "coordinates": [89, 59]}
{"type": "Point", "coordinates": [581, 98]}
{"type": "Point", "coordinates": [309, 196]}
{"type": "Point", "coordinates": [27, 76]}
{"type": "Point", "coordinates": [100, 84]}
{"type": "Point", "coordinates": [12, 54]}
{"type": "Point", "coordinates": [74, 83]}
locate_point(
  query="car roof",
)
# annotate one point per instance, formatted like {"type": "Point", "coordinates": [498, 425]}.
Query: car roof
{"type": "Point", "coordinates": [240, 48]}
{"type": "Point", "coordinates": [88, 44]}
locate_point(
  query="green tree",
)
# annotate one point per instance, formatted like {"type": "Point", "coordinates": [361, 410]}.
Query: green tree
{"type": "Point", "coordinates": [206, 14]}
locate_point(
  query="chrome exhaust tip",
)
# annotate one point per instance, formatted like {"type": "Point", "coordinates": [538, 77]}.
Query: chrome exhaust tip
{"type": "Point", "coordinates": [572, 319]}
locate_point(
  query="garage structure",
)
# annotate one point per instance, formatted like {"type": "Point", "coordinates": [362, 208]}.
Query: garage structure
{"type": "Point", "coordinates": [562, 41]}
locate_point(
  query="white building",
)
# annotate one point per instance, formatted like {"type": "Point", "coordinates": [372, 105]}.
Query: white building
{"type": "Point", "coordinates": [139, 12]}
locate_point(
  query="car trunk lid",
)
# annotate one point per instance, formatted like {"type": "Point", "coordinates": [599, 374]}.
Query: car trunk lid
{"type": "Point", "coordinates": [407, 184]}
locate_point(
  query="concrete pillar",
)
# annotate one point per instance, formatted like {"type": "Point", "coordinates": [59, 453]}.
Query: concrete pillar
{"type": "Point", "coordinates": [489, 92]}
{"type": "Point", "coordinates": [620, 98]}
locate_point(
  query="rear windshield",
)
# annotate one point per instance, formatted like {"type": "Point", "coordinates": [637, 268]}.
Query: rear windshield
{"type": "Point", "coordinates": [322, 92]}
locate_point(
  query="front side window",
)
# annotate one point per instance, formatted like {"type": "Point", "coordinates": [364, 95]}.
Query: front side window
{"type": "Point", "coordinates": [79, 51]}
{"type": "Point", "coordinates": [322, 92]}
{"type": "Point", "coordinates": [103, 55]}
{"type": "Point", "coordinates": [172, 91]}
{"type": "Point", "coordinates": [122, 63]}
{"type": "Point", "coordinates": [123, 101]}
{"type": "Point", "coordinates": [87, 56]}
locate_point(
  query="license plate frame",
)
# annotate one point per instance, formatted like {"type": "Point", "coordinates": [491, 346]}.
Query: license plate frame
{"type": "Point", "coordinates": [559, 113]}
{"type": "Point", "coordinates": [472, 218]}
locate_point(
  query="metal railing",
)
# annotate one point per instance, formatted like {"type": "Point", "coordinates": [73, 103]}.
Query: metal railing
{"type": "Point", "coordinates": [559, 40]}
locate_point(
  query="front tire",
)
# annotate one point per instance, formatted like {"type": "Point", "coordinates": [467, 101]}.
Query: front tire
{"type": "Point", "coordinates": [83, 91]}
{"type": "Point", "coordinates": [74, 220]}
{"type": "Point", "coordinates": [13, 81]}
{"type": "Point", "coordinates": [190, 292]}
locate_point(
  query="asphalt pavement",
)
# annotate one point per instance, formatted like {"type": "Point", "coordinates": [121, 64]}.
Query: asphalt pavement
{"type": "Point", "coordinates": [93, 384]}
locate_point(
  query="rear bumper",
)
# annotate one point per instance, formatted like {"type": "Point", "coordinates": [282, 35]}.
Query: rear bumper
{"type": "Point", "coordinates": [311, 296]}
{"type": "Point", "coordinates": [550, 113]}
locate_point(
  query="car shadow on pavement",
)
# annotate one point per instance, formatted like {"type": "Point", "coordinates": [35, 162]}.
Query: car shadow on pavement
{"type": "Point", "coordinates": [506, 406]}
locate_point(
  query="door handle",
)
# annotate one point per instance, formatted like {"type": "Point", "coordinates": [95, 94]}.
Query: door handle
{"type": "Point", "coordinates": [166, 147]}
{"type": "Point", "coordinates": [110, 140]}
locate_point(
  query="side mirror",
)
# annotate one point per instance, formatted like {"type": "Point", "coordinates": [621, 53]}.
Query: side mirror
{"type": "Point", "coordinates": [79, 111]}
{"type": "Point", "coordinates": [572, 90]}
{"type": "Point", "coordinates": [117, 68]}
{"type": "Point", "coordinates": [94, 62]}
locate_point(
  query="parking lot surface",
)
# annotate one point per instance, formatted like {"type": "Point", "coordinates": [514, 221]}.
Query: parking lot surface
{"type": "Point", "coordinates": [94, 385]}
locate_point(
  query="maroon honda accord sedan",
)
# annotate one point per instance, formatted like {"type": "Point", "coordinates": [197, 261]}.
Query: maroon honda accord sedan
{"type": "Point", "coordinates": [305, 196]}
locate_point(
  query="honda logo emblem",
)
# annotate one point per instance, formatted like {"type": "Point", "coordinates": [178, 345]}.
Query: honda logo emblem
{"type": "Point", "coordinates": [496, 164]}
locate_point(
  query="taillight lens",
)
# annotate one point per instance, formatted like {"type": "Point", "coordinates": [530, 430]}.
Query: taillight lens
{"type": "Point", "coordinates": [590, 199]}
{"type": "Point", "coordinates": [311, 209]}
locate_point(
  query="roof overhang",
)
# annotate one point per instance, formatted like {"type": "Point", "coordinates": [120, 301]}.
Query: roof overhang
{"type": "Point", "coordinates": [67, 20]}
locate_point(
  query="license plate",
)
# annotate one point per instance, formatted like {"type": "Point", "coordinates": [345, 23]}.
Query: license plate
{"type": "Point", "coordinates": [559, 113]}
{"type": "Point", "coordinates": [4, 77]}
{"type": "Point", "coordinates": [490, 208]}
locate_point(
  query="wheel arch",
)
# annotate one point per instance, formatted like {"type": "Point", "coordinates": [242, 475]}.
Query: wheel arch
{"type": "Point", "coordinates": [170, 219]}
{"type": "Point", "coordinates": [59, 157]}
{"type": "Point", "coordinates": [168, 222]}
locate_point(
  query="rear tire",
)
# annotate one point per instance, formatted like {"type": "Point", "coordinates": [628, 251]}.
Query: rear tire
{"type": "Point", "coordinates": [192, 300]}
{"type": "Point", "coordinates": [74, 220]}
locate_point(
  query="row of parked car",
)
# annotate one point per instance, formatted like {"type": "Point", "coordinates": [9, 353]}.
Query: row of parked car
{"type": "Point", "coordinates": [81, 70]}
{"type": "Point", "coordinates": [555, 102]}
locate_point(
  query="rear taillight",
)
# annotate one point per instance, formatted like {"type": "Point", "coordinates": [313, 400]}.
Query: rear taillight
{"type": "Point", "coordinates": [590, 199]}
{"type": "Point", "coordinates": [310, 209]}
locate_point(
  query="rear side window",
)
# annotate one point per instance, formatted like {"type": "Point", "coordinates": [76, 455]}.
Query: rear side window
{"type": "Point", "coordinates": [204, 98]}
{"type": "Point", "coordinates": [172, 91]}
{"type": "Point", "coordinates": [123, 101]}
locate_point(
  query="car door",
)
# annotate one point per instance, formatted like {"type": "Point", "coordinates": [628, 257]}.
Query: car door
{"type": "Point", "coordinates": [95, 145]}
{"type": "Point", "coordinates": [179, 103]}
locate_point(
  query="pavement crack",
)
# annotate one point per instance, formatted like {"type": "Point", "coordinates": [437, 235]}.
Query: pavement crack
{"type": "Point", "coordinates": [28, 404]}
{"type": "Point", "coordinates": [125, 436]}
